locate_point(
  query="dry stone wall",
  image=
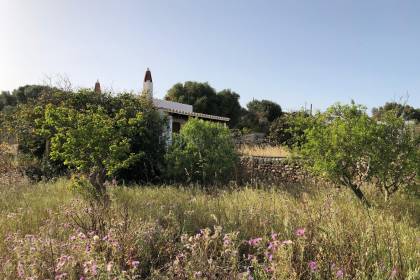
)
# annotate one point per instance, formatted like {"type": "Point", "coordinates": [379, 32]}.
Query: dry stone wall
{"type": "Point", "coordinates": [278, 171]}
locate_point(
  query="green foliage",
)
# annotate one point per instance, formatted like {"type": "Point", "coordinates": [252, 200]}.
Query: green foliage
{"type": "Point", "coordinates": [260, 115]}
{"type": "Point", "coordinates": [205, 100]}
{"type": "Point", "coordinates": [201, 95]}
{"type": "Point", "coordinates": [337, 146]}
{"type": "Point", "coordinates": [26, 125]}
{"type": "Point", "coordinates": [289, 129]}
{"type": "Point", "coordinates": [202, 152]}
{"type": "Point", "coordinates": [349, 148]}
{"type": "Point", "coordinates": [95, 142]}
{"type": "Point", "coordinates": [395, 155]}
{"type": "Point", "coordinates": [404, 110]}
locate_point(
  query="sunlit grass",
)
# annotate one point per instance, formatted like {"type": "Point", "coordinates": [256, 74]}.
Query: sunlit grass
{"type": "Point", "coordinates": [264, 151]}
{"type": "Point", "coordinates": [366, 243]}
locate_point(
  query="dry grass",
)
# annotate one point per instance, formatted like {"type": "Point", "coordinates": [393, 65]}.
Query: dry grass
{"type": "Point", "coordinates": [264, 151]}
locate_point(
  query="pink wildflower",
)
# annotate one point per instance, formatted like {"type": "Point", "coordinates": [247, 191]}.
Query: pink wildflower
{"type": "Point", "coordinates": [339, 273]}
{"type": "Point", "coordinates": [226, 240]}
{"type": "Point", "coordinates": [394, 272]}
{"type": "Point", "coordinates": [312, 266]}
{"type": "Point", "coordinates": [300, 232]}
{"type": "Point", "coordinates": [94, 269]}
{"type": "Point", "coordinates": [255, 241]}
{"type": "Point", "coordinates": [135, 263]}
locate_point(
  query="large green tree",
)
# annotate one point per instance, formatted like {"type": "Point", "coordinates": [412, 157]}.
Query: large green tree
{"type": "Point", "coordinates": [206, 100]}
{"type": "Point", "coordinates": [259, 115]}
{"type": "Point", "coordinates": [337, 146]}
{"type": "Point", "coordinates": [201, 95]}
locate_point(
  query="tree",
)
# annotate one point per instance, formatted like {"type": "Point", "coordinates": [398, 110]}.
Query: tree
{"type": "Point", "coordinates": [202, 152]}
{"type": "Point", "coordinates": [395, 155]}
{"type": "Point", "coordinates": [7, 99]}
{"type": "Point", "coordinates": [265, 109]}
{"type": "Point", "coordinates": [228, 104]}
{"type": "Point", "coordinates": [289, 129]}
{"type": "Point", "coordinates": [201, 95]}
{"type": "Point", "coordinates": [260, 115]}
{"type": "Point", "coordinates": [338, 144]}
{"type": "Point", "coordinates": [92, 142]}
{"type": "Point", "coordinates": [205, 100]}
{"type": "Point", "coordinates": [406, 111]}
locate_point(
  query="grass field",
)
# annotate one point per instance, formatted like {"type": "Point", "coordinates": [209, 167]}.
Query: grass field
{"type": "Point", "coordinates": [49, 232]}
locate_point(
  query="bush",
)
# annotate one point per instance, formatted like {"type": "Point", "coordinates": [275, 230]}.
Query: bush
{"type": "Point", "coordinates": [203, 152]}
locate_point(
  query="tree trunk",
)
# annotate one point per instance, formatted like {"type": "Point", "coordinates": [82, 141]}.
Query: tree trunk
{"type": "Point", "coordinates": [356, 190]}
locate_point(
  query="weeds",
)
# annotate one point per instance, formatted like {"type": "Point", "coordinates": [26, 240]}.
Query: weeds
{"type": "Point", "coordinates": [167, 232]}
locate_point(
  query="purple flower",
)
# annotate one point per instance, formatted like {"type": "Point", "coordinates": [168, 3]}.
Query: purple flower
{"type": "Point", "coordinates": [300, 232]}
{"type": "Point", "coordinates": [255, 241]}
{"type": "Point", "coordinates": [312, 266]}
{"type": "Point", "coordinates": [339, 273]}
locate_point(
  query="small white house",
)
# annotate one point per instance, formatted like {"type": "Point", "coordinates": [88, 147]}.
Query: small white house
{"type": "Point", "coordinates": [177, 113]}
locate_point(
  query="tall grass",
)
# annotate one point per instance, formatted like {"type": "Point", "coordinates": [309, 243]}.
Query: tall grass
{"type": "Point", "coordinates": [168, 232]}
{"type": "Point", "coordinates": [264, 151]}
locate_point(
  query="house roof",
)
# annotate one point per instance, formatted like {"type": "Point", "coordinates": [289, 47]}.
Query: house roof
{"type": "Point", "coordinates": [194, 114]}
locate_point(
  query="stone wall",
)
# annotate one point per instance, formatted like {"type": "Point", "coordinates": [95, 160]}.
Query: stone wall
{"type": "Point", "coordinates": [278, 171]}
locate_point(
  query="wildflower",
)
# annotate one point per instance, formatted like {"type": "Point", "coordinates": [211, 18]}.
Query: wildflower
{"type": "Point", "coordinates": [94, 268]}
{"type": "Point", "coordinates": [312, 266]}
{"type": "Point", "coordinates": [274, 236]}
{"type": "Point", "coordinates": [394, 272]}
{"type": "Point", "coordinates": [198, 274]}
{"type": "Point", "coordinates": [255, 241]}
{"type": "Point", "coordinates": [95, 238]}
{"type": "Point", "coordinates": [109, 267]}
{"type": "Point", "coordinates": [226, 240]}
{"type": "Point", "coordinates": [61, 276]}
{"type": "Point", "coordinates": [339, 273]}
{"type": "Point", "coordinates": [300, 232]}
{"type": "Point", "coordinates": [135, 263]}
{"type": "Point", "coordinates": [20, 270]}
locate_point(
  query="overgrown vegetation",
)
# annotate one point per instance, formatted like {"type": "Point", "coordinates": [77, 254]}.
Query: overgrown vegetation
{"type": "Point", "coordinates": [92, 227]}
{"type": "Point", "coordinates": [203, 152]}
{"type": "Point", "coordinates": [46, 231]}
{"type": "Point", "coordinates": [351, 149]}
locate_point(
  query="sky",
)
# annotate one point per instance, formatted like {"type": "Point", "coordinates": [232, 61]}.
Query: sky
{"type": "Point", "coordinates": [294, 52]}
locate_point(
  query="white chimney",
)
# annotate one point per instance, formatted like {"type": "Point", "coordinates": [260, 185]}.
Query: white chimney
{"type": "Point", "coordinates": [148, 84]}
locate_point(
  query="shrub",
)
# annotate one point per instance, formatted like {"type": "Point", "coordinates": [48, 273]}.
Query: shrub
{"type": "Point", "coordinates": [203, 152]}
{"type": "Point", "coordinates": [289, 129]}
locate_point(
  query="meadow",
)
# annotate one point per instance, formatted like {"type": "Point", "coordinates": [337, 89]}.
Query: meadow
{"type": "Point", "coordinates": [49, 231]}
